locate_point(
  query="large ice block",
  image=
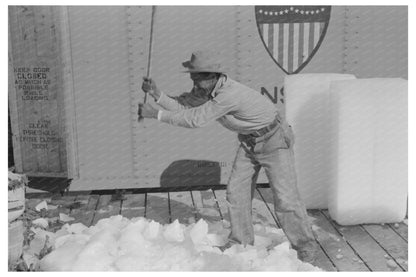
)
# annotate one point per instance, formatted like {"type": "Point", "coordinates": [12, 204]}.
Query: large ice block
{"type": "Point", "coordinates": [307, 99]}
{"type": "Point", "coordinates": [369, 151]}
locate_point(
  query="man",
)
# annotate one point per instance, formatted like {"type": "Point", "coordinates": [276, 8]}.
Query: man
{"type": "Point", "coordinates": [265, 141]}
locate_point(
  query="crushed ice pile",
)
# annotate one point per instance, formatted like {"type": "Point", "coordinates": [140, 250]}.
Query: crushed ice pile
{"type": "Point", "coordinates": [120, 244]}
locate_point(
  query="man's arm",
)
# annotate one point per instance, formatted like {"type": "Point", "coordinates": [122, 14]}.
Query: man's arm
{"type": "Point", "coordinates": [171, 103]}
{"type": "Point", "coordinates": [184, 101]}
{"type": "Point", "coordinates": [199, 116]}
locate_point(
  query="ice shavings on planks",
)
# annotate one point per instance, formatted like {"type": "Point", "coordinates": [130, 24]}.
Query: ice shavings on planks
{"type": "Point", "coordinates": [120, 244]}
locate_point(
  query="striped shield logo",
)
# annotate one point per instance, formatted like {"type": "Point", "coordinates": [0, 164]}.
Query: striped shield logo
{"type": "Point", "coordinates": [292, 34]}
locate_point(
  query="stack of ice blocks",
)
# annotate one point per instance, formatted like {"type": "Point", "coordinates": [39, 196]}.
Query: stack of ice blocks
{"type": "Point", "coordinates": [307, 110]}
{"type": "Point", "coordinates": [351, 145]}
{"type": "Point", "coordinates": [368, 151]}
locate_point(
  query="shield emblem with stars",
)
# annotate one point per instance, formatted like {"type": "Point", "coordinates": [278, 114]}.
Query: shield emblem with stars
{"type": "Point", "coordinates": [292, 34]}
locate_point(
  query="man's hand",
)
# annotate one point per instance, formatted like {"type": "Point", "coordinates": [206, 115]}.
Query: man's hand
{"type": "Point", "coordinates": [149, 86]}
{"type": "Point", "coordinates": [147, 111]}
{"type": "Point", "coordinates": [289, 135]}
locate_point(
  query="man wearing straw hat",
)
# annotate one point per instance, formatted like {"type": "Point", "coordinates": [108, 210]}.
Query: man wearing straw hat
{"type": "Point", "coordinates": [265, 141]}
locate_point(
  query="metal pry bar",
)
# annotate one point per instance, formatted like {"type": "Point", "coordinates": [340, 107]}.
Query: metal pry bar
{"type": "Point", "coordinates": [149, 59]}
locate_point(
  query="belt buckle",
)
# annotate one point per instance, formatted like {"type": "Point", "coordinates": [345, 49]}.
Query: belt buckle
{"type": "Point", "coordinates": [256, 134]}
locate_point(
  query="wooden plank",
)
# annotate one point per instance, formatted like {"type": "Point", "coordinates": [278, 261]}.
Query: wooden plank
{"type": "Point", "coordinates": [31, 203]}
{"type": "Point", "coordinates": [78, 209]}
{"type": "Point", "coordinates": [56, 204]}
{"type": "Point", "coordinates": [133, 205]}
{"type": "Point", "coordinates": [365, 246]}
{"type": "Point", "coordinates": [36, 72]}
{"type": "Point", "coordinates": [13, 102]}
{"type": "Point", "coordinates": [85, 212]}
{"type": "Point", "coordinates": [182, 207]}
{"type": "Point", "coordinates": [221, 199]}
{"type": "Point", "coordinates": [80, 201]}
{"type": "Point", "coordinates": [157, 207]}
{"type": "Point", "coordinates": [334, 245]}
{"type": "Point", "coordinates": [206, 205]}
{"type": "Point", "coordinates": [106, 207]}
{"type": "Point", "coordinates": [391, 242]}
{"type": "Point", "coordinates": [322, 261]}
{"type": "Point", "coordinates": [401, 229]}
{"type": "Point", "coordinates": [67, 86]}
{"type": "Point", "coordinates": [63, 205]}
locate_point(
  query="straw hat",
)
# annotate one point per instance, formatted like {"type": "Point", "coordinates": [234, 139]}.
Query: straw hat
{"type": "Point", "coordinates": [204, 61]}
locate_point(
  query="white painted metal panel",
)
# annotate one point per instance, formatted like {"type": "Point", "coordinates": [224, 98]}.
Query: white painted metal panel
{"type": "Point", "coordinates": [102, 96]}
{"type": "Point", "coordinates": [109, 49]}
{"type": "Point", "coordinates": [174, 156]}
{"type": "Point", "coordinates": [376, 41]}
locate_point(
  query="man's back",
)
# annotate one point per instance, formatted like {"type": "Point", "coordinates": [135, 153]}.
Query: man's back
{"type": "Point", "coordinates": [234, 105]}
{"type": "Point", "coordinates": [253, 111]}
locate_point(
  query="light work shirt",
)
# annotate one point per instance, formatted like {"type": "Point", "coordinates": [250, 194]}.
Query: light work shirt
{"type": "Point", "coordinates": [234, 105]}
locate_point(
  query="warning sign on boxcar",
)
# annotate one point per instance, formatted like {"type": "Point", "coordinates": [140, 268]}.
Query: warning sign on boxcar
{"type": "Point", "coordinates": [32, 83]}
{"type": "Point", "coordinates": [40, 135]}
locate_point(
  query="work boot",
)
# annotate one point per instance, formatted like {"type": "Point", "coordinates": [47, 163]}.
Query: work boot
{"type": "Point", "coordinates": [229, 244]}
{"type": "Point", "coordinates": [225, 246]}
{"type": "Point", "coordinates": [308, 252]}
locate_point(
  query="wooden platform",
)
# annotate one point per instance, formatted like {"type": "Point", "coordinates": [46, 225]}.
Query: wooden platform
{"type": "Point", "coordinates": [342, 248]}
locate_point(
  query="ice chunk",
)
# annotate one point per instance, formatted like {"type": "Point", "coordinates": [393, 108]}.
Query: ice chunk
{"type": "Point", "coordinates": [369, 155]}
{"type": "Point", "coordinates": [41, 205]}
{"type": "Point", "coordinates": [62, 258]}
{"type": "Point", "coordinates": [41, 222]}
{"type": "Point", "coordinates": [152, 230]}
{"type": "Point", "coordinates": [38, 243]}
{"type": "Point", "coordinates": [199, 232]}
{"type": "Point", "coordinates": [282, 258]}
{"type": "Point", "coordinates": [61, 232]}
{"type": "Point", "coordinates": [65, 218]}
{"type": "Point", "coordinates": [52, 207]}
{"type": "Point", "coordinates": [391, 263]}
{"type": "Point", "coordinates": [249, 255]}
{"type": "Point", "coordinates": [216, 239]}
{"type": "Point", "coordinates": [307, 110]}
{"type": "Point", "coordinates": [30, 259]}
{"type": "Point", "coordinates": [262, 241]}
{"type": "Point", "coordinates": [14, 176]}
{"type": "Point", "coordinates": [76, 228]}
{"type": "Point", "coordinates": [141, 245]}
{"type": "Point", "coordinates": [102, 245]}
{"type": "Point", "coordinates": [70, 238]}
{"type": "Point", "coordinates": [174, 232]}
{"type": "Point", "coordinates": [133, 243]}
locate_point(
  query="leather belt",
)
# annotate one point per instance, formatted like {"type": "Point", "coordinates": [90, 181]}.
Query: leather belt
{"type": "Point", "coordinates": [264, 130]}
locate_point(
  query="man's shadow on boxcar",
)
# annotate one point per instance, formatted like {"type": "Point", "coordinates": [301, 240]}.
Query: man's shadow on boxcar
{"type": "Point", "coordinates": [192, 174]}
{"type": "Point", "coordinates": [183, 176]}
